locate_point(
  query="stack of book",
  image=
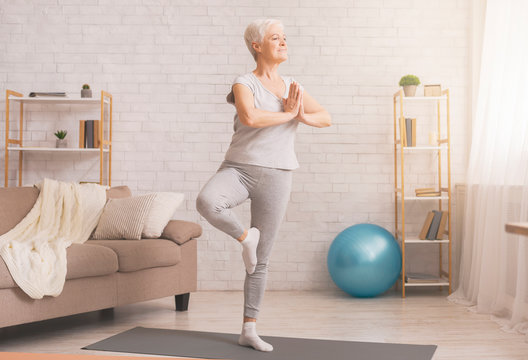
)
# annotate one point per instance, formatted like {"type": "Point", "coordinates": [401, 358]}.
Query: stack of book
{"type": "Point", "coordinates": [420, 278]}
{"type": "Point", "coordinates": [39, 94]}
{"type": "Point", "coordinates": [427, 192]}
{"type": "Point", "coordinates": [408, 131]}
{"type": "Point", "coordinates": [434, 225]}
{"type": "Point", "coordinates": [89, 134]}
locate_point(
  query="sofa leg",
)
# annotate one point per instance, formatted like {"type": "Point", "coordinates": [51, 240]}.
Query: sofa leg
{"type": "Point", "coordinates": [182, 301]}
{"type": "Point", "coordinates": [107, 313]}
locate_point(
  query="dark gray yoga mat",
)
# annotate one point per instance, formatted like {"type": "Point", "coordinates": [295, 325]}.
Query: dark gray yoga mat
{"type": "Point", "coordinates": [209, 345]}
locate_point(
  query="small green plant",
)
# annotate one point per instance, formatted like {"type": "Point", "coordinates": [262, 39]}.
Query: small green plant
{"type": "Point", "coordinates": [61, 134]}
{"type": "Point", "coordinates": [86, 86]}
{"type": "Point", "coordinates": [409, 80]}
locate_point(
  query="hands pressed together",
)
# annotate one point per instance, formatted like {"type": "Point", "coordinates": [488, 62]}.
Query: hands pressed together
{"type": "Point", "coordinates": [294, 103]}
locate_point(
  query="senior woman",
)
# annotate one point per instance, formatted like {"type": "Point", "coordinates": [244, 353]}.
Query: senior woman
{"type": "Point", "coordinates": [259, 162]}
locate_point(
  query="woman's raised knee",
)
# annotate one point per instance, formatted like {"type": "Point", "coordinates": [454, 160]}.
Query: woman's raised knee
{"type": "Point", "coordinates": [203, 204]}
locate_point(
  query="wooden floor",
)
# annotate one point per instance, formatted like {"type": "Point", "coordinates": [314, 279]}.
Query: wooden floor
{"type": "Point", "coordinates": [424, 317]}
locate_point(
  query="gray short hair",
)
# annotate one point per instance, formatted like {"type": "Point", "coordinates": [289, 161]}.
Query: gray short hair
{"type": "Point", "coordinates": [255, 32]}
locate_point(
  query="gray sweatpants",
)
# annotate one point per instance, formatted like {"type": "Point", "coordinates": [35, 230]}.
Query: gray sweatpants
{"type": "Point", "coordinates": [269, 190]}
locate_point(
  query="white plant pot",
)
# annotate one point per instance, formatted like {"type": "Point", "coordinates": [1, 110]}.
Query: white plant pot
{"type": "Point", "coordinates": [61, 143]}
{"type": "Point", "coordinates": [409, 90]}
{"type": "Point", "coordinates": [86, 93]}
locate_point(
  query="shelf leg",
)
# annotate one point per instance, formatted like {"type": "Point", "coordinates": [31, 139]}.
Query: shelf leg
{"type": "Point", "coordinates": [6, 157]}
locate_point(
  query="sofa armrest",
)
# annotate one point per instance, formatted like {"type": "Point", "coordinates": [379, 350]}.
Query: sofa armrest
{"type": "Point", "coordinates": [181, 231]}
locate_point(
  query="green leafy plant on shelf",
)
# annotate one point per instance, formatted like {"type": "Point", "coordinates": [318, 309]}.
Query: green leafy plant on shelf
{"type": "Point", "coordinates": [86, 86]}
{"type": "Point", "coordinates": [409, 83]}
{"type": "Point", "coordinates": [409, 80]}
{"type": "Point", "coordinates": [61, 134]}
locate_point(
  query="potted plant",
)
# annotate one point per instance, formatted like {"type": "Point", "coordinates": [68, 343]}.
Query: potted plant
{"type": "Point", "coordinates": [61, 141]}
{"type": "Point", "coordinates": [409, 83]}
{"type": "Point", "coordinates": [86, 92]}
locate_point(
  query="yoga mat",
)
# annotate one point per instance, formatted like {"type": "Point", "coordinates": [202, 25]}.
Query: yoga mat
{"type": "Point", "coordinates": [225, 346]}
{"type": "Point", "coordinates": [35, 356]}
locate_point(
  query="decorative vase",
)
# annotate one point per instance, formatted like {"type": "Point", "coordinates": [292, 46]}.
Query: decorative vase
{"type": "Point", "coordinates": [86, 93]}
{"type": "Point", "coordinates": [61, 143]}
{"type": "Point", "coordinates": [409, 90]}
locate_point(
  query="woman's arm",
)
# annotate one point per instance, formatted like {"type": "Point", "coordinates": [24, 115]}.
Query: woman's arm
{"type": "Point", "coordinates": [312, 113]}
{"type": "Point", "coordinates": [249, 115]}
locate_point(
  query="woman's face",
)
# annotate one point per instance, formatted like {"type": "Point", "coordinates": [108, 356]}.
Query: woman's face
{"type": "Point", "coordinates": [273, 46]}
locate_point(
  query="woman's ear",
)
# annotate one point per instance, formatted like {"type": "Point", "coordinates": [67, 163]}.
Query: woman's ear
{"type": "Point", "coordinates": [256, 47]}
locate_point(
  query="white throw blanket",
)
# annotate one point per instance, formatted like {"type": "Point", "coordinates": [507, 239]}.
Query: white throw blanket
{"type": "Point", "coordinates": [35, 249]}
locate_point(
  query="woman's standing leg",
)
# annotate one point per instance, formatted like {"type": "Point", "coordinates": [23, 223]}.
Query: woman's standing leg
{"type": "Point", "coordinates": [269, 201]}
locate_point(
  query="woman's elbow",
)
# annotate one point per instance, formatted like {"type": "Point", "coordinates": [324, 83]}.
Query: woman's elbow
{"type": "Point", "coordinates": [327, 120]}
{"type": "Point", "coordinates": [246, 120]}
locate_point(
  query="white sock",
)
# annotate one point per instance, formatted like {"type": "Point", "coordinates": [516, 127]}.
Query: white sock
{"type": "Point", "coordinates": [249, 249]}
{"type": "Point", "coordinates": [249, 337]}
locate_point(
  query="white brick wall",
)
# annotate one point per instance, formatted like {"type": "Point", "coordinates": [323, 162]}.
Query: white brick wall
{"type": "Point", "coordinates": [169, 65]}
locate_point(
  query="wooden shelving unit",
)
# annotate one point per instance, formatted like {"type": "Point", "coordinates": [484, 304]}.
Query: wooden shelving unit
{"type": "Point", "coordinates": [17, 145]}
{"type": "Point", "coordinates": [400, 198]}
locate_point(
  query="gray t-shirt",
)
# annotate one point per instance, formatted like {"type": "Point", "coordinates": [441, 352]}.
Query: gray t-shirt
{"type": "Point", "coordinates": [271, 146]}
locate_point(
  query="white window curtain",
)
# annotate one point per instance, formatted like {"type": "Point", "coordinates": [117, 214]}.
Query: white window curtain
{"type": "Point", "coordinates": [494, 264]}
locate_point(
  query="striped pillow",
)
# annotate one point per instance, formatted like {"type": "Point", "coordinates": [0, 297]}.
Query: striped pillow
{"type": "Point", "coordinates": [123, 218]}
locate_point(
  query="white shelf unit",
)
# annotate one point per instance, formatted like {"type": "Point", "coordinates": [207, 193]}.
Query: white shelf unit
{"type": "Point", "coordinates": [59, 100]}
{"type": "Point", "coordinates": [440, 282]}
{"type": "Point", "coordinates": [442, 146]}
{"type": "Point", "coordinates": [418, 148]}
{"type": "Point", "coordinates": [48, 149]}
{"type": "Point", "coordinates": [423, 198]}
{"type": "Point", "coordinates": [17, 145]}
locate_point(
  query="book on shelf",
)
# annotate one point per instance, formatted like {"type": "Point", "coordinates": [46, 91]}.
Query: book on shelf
{"type": "Point", "coordinates": [82, 141]}
{"type": "Point", "coordinates": [89, 134]}
{"type": "Point", "coordinates": [427, 192]}
{"type": "Point", "coordinates": [420, 278]}
{"type": "Point", "coordinates": [424, 190]}
{"type": "Point", "coordinates": [431, 194]}
{"type": "Point", "coordinates": [53, 94]}
{"type": "Point", "coordinates": [403, 131]}
{"type": "Point", "coordinates": [413, 131]}
{"type": "Point", "coordinates": [435, 225]}
{"type": "Point", "coordinates": [441, 228]}
{"type": "Point", "coordinates": [426, 225]}
{"type": "Point", "coordinates": [410, 131]}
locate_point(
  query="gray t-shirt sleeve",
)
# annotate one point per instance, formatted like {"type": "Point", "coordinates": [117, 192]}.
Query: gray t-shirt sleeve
{"type": "Point", "coordinates": [244, 80]}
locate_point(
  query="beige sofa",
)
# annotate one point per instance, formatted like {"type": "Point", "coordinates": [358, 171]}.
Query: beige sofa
{"type": "Point", "coordinates": [103, 274]}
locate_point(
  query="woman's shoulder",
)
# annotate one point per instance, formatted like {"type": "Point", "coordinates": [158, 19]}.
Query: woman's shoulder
{"type": "Point", "coordinates": [248, 78]}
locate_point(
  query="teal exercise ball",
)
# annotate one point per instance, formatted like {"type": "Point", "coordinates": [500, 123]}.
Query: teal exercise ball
{"type": "Point", "coordinates": [364, 260]}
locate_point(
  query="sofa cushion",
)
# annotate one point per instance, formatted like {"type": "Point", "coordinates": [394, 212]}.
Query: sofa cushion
{"type": "Point", "coordinates": [181, 231]}
{"type": "Point", "coordinates": [134, 255]}
{"type": "Point", "coordinates": [83, 260]}
{"type": "Point", "coordinates": [16, 202]}
{"type": "Point", "coordinates": [90, 260]}
{"type": "Point", "coordinates": [123, 218]}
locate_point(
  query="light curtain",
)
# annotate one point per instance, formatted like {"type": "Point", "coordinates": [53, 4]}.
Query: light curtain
{"type": "Point", "coordinates": [493, 275]}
